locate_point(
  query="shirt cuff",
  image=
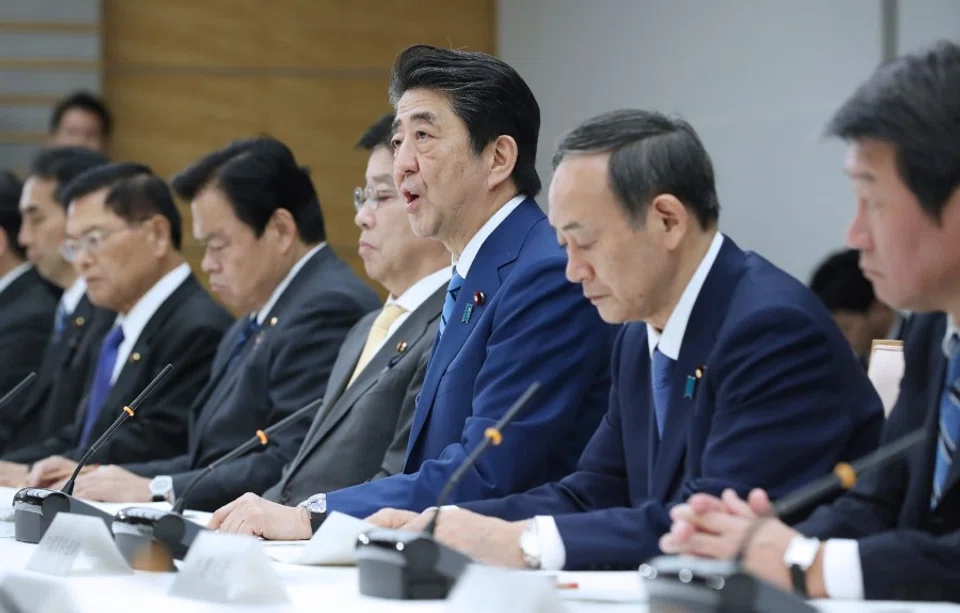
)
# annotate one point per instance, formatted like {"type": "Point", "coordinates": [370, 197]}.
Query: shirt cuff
{"type": "Point", "coordinates": [842, 573]}
{"type": "Point", "coordinates": [553, 555]}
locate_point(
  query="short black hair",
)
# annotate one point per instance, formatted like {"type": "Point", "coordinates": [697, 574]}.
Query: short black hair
{"type": "Point", "coordinates": [63, 164]}
{"type": "Point", "coordinates": [135, 193]}
{"type": "Point", "coordinates": [650, 154]}
{"type": "Point", "coordinates": [841, 285]}
{"type": "Point", "coordinates": [88, 102]}
{"type": "Point", "coordinates": [10, 189]}
{"type": "Point", "coordinates": [486, 93]}
{"type": "Point", "coordinates": [258, 176]}
{"type": "Point", "coordinates": [913, 103]}
{"type": "Point", "coordinates": [377, 135]}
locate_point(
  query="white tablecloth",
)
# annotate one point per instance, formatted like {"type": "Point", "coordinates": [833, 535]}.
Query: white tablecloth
{"type": "Point", "coordinates": [335, 590]}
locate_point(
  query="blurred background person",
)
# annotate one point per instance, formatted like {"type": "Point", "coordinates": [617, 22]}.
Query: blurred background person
{"type": "Point", "coordinates": [81, 119]}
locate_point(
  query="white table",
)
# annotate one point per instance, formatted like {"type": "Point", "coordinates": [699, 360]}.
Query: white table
{"type": "Point", "coordinates": [335, 589]}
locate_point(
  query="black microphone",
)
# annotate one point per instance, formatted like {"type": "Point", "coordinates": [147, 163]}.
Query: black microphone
{"type": "Point", "coordinates": [410, 566]}
{"type": "Point", "coordinates": [151, 539]}
{"type": "Point", "coordinates": [35, 508]}
{"type": "Point", "coordinates": [686, 583]}
{"type": "Point", "coordinates": [18, 389]}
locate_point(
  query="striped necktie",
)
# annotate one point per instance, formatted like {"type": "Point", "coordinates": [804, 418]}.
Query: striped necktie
{"type": "Point", "coordinates": [450, 301]}
{"type": "Point", "coordinates": [949, 421]}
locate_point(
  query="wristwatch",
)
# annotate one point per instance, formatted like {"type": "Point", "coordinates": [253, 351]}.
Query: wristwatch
{"type": "Point", "coordinates": [316, 507]}
{"type": "Point", "coordinates": [801, 552]}
{"type": "Point", "coordinates": [161, 489]}
{"type": "Point", "coordinates": [530, 545]}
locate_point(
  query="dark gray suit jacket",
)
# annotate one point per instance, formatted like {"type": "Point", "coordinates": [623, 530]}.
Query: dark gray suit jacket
{"type": "Point", "coordinates": [26, 320]}
{"type": "Point", "coordinates": [361, 431]}
{"type": "Point", "coordinates": [284, 367]}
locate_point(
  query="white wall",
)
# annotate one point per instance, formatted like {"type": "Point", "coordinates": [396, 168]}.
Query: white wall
{"type": "Point", "coordinates": [756, 78]}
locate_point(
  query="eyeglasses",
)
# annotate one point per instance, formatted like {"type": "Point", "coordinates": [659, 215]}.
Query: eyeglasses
{"type": "Point", "coordinates": [371, 196]}
{"type": "Point", "coordinates": [92, 241]}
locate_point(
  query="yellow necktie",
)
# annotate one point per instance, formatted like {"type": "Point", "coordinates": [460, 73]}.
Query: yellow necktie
{"type": "Point", "coordinates": [378, 332]}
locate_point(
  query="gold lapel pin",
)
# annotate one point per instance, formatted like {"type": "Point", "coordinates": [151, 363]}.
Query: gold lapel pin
{"type": "Point", "coordinates": [134, 357]}
{"type": "Point", "coordinates": [401, 346]}
{"type": "Point", "coordinates": [80, 320]}
{"type": "Point", "coordinates": [273, 321]}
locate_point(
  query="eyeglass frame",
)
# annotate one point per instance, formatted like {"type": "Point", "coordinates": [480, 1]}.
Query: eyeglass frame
{"type": "Point", "coordinates": [361, 197]}
{"type": "Point", "coordinates": [89, 242]}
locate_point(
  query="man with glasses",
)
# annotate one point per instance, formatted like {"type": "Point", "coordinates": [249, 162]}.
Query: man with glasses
{"type": "Point", "coordinates": [123, 237]}
{"type": "Point", "coordinates": [258, 216]}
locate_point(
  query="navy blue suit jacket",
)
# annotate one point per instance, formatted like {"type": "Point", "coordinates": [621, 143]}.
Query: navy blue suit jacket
{"type": "Point", "coordinates": [782, 399]}
{"type": "Point", "coordinates": [908, 551]}
{"type": "Point", "coordinates": [532, 325]}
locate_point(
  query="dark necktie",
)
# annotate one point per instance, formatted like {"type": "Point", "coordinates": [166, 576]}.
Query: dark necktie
{"type": "Point", "coordinates": [60, 322]}
{"type": "Point", "coordinates": [450, 301]}
{"type": "Point", "coordinates": [660, 371]}
{"type": "Point", "coordinates": [101, 381]}
{"type": "Point", "coordinates": [246, 333]}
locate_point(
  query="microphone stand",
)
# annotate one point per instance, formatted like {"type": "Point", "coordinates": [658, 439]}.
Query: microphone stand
{"type": "Point", "coordinates": [17, 389]}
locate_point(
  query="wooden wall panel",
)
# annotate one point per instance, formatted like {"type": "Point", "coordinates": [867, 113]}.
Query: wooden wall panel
{"type": "Point", "coordinates": [184, 77]}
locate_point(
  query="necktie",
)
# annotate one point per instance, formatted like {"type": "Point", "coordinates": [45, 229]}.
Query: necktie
{"type": "Point", "coordinates": [450, 301]}
{"type": "Point", "coordinates": [949, 423]}
{"type": "Point", "coordinates": [60, 321]}
{"type": "Point", "coordinates": [240, 342]}
{"type": "Point", "coordinates": [660, 367]}
{"type": "Point", "coordinates": [378, 333]}
{"type": "Point", "coordinates": [102, 381]}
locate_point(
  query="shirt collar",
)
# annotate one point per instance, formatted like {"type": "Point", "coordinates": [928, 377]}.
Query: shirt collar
{"type": "Point", "coordinates": [278, 291]}
{"type": "Point", "coordinates": [670, 339]}
{"type": "Point", "coordinates": [7, 279]}
{"type": "Point", "coordinates": [419, 292]}
{"type": "Point", "coordinates": [465, 261]}
{"type": "Point", "coordinates": [71, 297]}
{"type": "Point", "coordinates": [136, 319]}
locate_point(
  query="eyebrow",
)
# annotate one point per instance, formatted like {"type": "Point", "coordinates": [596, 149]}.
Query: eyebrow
{"type": "Point", "coordinates": [863, 175]}
{"type": "Point", "coordinates": [30, 207]}
{"type": "Point", "coordinates": [384, 178]}
{"type": "Point", "coordinates": [424, 116]}
{"type": "Point", "coordinates": [573, 225]}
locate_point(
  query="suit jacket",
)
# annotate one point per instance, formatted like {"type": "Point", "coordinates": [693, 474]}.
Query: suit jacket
{"type": "Point", "coordinates": [284, 367]}
{"type": "Point", "coordinates": [530, 325]}
{"type": "Point", "coordinates": [361, 431]}
{"type": "Point", "coordinates": [27, 306]}
{"type": "Point", "coordinates": [184, 332]}
{"type": "Point", "coordinates": [63, 373]}
{"type": "Point", "coordinates": [781, 400]}
{"type": "Point", "coordinates": [908, 551]}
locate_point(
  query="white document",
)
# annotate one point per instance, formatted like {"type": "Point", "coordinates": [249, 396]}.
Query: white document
{"type": "Point", "coordinates": [228, 568]}
{"type": "Point", "coordinates": [334, 544]}
{"type": "Point", "coordinates": [488, 589]}
{"type": "Point", "coordinates": [20, 593]}
{"type": "Point", "coordinates": [79, 540]}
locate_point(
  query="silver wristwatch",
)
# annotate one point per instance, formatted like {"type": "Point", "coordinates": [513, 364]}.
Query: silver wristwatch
{"type": "Point", "coordinates": [530, 545]}
{"type": "Point", "coordinates": [799, 557]}
{"type": "Point", "coordinates": [161, 489]}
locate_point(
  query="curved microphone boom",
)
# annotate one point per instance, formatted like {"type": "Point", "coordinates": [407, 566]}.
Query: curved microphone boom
{"type": "Point", "coordinates": [18, 389]}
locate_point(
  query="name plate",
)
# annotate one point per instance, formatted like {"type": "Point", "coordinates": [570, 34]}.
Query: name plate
{"type": "Point", "coordinates": [334, 544]}
{"type": "Point", "coordinates": [487, 589]}
{"type": "Point", "coordinates": [79, 540]}
{"type": "Point", "coordinates": [228, 568]}
{"type": "Point", "coordinates": [21, 593]}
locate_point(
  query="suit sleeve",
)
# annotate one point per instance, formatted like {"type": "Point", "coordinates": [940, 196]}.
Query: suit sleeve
{"type": "Point", "coordinates": [163, 466]}
{"type": "Point", "coordinates": [553, 336]}
{"type": "Point", "coordinates": [780, 392]}
{"type": "Point", "coordinates": [22, 350]}
{"type": "Point", "coordinates": [298, 375]}
{"type": "Point", "coordinates": [396, 453]}
{"type": "Point", "coordinates": [60, 443]}
{"type": "Point", "coordinates": [911, 565]}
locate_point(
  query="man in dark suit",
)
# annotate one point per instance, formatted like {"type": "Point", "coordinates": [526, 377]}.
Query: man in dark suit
{"type": "Point", "coordinates": [258, 216]}
{"type": "Point", "coordinates": [77, 325]}
{"type": "Point", "coordinates": [465, 141]}
{"type": "Point", "coordinates": [361, 431]}
{"type": "Point", "coordinates": [123, 235]}
{"type": "Point", "coordinates": [896, 535]}
{"type": "Point", "coordinates": [27, 302]}
{"type": "Point", "coordinates": [736, 375]}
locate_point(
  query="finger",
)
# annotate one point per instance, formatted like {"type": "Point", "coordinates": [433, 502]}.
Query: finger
{"type": "Point", "coordinates": [710, 546]}
{"type": "Point", "coordinates": [221, 514]}
{"type": "Point", "coordinates": [704, 503]}
{"type": "Point", "coordinates": [737, 506]}
{"type": "Point", "coordinates": [232, 522]}
{"type": "Point", "coordinates": [681, 531]}
{"type": "Point", "coordinates": [681, 512]}
{"type": "Point", "coordinates": [759, 501]}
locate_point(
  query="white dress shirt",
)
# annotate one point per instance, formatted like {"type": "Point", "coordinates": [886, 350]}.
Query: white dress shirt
{"type": "Point", "coordinates": [137, 318]}
{"type": "Point", "coordinates": [842, 571]}
{"type": "Point", "coordinates": [465, 261]}
{"type": "Point", "coordinates": [414, 297]}
{"type": "Point", "coordinates": [13, 275]}
{"type": "Point", "coordinates": [553, 555]}
{"type": "Point", "coordinates": [279, 289]}
{"type": "Point", "coordinates": [71, 298]}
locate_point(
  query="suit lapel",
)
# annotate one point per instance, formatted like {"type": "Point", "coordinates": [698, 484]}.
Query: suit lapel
{"type": "Point", "coordinates": [698, 339]}
{"type": "Point", "coordinates": [500, 249]}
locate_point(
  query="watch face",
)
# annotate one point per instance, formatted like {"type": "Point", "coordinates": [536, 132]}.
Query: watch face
{"type": "Point", "coordinates": [159, 486]}
{"type": "Point", "coordinates": [801, 552]}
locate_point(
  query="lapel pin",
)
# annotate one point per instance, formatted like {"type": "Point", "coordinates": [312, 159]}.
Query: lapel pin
{"type": "Point", "coordinates": [690, 389]}
{"type": "Point", "coordinates": [467, 312]}
{"type": "Point", "coordinates": [134, 357]}
{"type": "Point", "coordinates": [401, 346]}
{"type": "Point", "coordinates": [80, 320]}
{"type": "Point", "coordinates": [273, 321]}
{"type": "Point", "coordinates": [479, 298]}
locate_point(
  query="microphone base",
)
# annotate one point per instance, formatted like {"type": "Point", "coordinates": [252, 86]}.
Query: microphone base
{"type": "Point", "coordinates": [34, 509]}
{"type": "Point", "coordinates": [151, 539]}
{"type": "Point", "coordinates": [406, 565]}
{"type": "Point", "coordinates": [692, 585]}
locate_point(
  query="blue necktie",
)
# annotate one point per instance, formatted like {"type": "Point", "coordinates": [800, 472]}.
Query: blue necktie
{"type": "Point", "coordinates": [60, 322]}
{"type": "Point", "coordinates": [660, 370]}
{"type": "Point", "coordinates": [949, 423]}
{"type": "Point", "coordinates": [450, 301]}
{"type": "Point", "coordinates": [101, 381]}
{"type": "Point", "coordinates": [246, 333]}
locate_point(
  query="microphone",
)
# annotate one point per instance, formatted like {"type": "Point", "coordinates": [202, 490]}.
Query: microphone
{"type": "Point", "coordinates": [688, 583]}
{"type": "Point", "coordinates": [408, 566]}
{"type": "Point", "coordinates": [154, 538]}
{"type": "Point", "coordinates": [35, 508]}
{"type": "Point", "coordinates": [18, 389]}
